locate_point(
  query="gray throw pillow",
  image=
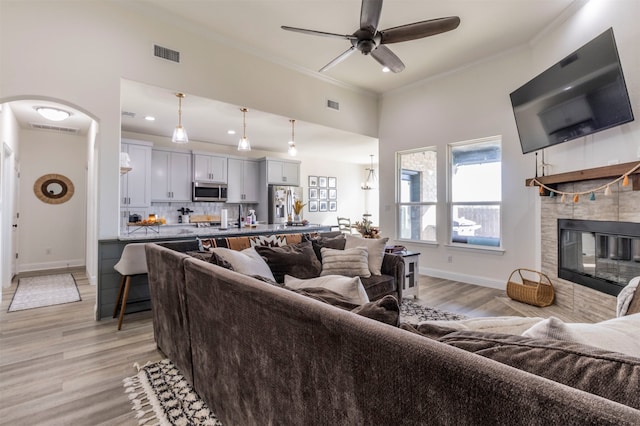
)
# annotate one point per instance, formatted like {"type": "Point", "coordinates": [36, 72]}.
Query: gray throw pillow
{"type": "Point", "coordinates": [298, 260]}
{"type": "Point", "coordinates": [348, 262]}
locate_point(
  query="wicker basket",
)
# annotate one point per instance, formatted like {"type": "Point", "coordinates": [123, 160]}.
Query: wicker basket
{"type": "Point", "coordinates": [531, 287]}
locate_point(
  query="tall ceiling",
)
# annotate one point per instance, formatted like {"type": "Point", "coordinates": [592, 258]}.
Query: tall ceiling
{"type": "Point", "coordinates": [487, 28]}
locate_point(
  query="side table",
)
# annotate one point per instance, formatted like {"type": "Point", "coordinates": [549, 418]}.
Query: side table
{"type": "Point", "coordinates": [410, 284]}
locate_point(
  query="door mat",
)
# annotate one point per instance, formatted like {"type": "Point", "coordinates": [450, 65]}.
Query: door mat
{"type": "Point", "coordinates": [45, 290]}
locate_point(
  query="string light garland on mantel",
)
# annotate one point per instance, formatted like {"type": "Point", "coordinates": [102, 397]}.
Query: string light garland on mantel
{"type": "Point", "coordinates": [592, 192]}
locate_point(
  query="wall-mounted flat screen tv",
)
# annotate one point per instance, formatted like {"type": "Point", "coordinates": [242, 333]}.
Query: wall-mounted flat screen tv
{"type": "Point", "coordinates": [582, 94]}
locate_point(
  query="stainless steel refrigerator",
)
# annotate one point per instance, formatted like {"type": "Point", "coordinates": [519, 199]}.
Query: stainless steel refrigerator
{"type": "Point", "coordinates": [281, 200]}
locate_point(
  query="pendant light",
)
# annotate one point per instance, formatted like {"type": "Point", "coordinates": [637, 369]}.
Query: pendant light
{"type": "Point", "coordinates": [179, 133]}
{"type": "Point", "coordinates": [292, 143]}
{"type": "Point", "coordinates": [243, 143]}
{"type": "Point", "coordinates": [370, 183]}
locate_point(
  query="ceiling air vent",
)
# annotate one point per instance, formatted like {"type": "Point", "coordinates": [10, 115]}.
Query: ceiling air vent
{"type": "Point", "coordinates": [166, 53]}
{"type": "Point", "coordinates": [48, 127]}
{"type": "Point", "coordinates": [129, 114]}
{"type": "Point", "coordinates": [333, 104]}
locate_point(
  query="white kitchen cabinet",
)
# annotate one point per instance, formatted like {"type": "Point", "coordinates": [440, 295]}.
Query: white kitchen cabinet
{"type": "Point", "coordinates": [135, 185]}
{"type": "Point", "coordinates": [281, 172]}
{"type": "Point", "coordinates": [209, 168]}
{"type": "Point", "coordinates": [170, 176]}
{"type": "Point", "coordinates": [243, 180]}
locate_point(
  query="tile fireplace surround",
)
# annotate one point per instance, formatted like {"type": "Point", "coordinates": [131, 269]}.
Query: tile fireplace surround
{"type": "Point", "coordinates": [621, 206]}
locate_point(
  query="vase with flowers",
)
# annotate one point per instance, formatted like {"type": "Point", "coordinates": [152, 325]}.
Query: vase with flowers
{"type": "Point", "coordinates": [298, 205]}
{"type": "Point", "coordinates": [366, 228]}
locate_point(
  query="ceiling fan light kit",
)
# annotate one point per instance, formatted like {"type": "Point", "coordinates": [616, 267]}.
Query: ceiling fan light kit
{"type": "Point", "coordinates": [369, 40]}
{"type": "Point", "coordinates": [243, 143]}
{"type": "Point", "coordinates": [179, 133]}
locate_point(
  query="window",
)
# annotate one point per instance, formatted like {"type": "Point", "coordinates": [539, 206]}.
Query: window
{"type": "Point", "coordinates": [475, 184]}
{"type": "Point", "coordinates": [417, 194]}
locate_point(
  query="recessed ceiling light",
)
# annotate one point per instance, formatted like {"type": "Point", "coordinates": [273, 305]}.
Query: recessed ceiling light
{"type": "Point", "coordinates": [231, 132]}
{"type": "Point", "coordinates": [149, 118]}
{"type": "Point", "coordinates": [53, 114]}
{"type": "Point", "coordinates": [385, 69]}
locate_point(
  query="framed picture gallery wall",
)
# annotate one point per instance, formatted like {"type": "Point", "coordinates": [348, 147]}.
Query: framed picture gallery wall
{"type": "Point", "coordinates": [323, 194]}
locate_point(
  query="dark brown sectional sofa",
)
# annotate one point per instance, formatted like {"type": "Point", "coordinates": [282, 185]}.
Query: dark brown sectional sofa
{"type": "Point", "coordinates": [260, 354]}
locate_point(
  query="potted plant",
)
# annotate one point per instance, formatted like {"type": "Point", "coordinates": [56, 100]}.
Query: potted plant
{"type": "Point", "coordinates": [298, 205]}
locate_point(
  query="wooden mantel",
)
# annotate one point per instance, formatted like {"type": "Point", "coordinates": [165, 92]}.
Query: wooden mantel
{"type": "Point", "coordinates": [605, 172]}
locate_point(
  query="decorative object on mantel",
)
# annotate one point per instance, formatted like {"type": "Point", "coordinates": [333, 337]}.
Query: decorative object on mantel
{"type": "Point", "coordinates": [370, 183]}
{"type": "Point", "coordinates": [53, 189]}
{"type": "Point", "coordinates": [292, 143]}
{"type": "Point", "coordinates": [243, 143]}
{"type": "Point", "coordinates": [365, 227]}
{"type": "Point", "coordinates": [179, 133]}
{"type": "Point", "coordinates": [597, 173]}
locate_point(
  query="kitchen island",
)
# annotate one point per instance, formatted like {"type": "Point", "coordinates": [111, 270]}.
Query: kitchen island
{"type": "Point", "coordinates": [110, 250]}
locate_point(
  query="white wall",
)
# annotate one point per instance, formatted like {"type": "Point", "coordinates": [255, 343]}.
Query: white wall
{"type": "Point", "coordinates": [473, 103]}
{"type": "Point", "coordinates": [51, 235]}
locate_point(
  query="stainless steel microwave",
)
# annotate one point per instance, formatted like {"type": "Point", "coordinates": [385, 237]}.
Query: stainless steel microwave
{"type": "Point", "coordinates": [207, 191]}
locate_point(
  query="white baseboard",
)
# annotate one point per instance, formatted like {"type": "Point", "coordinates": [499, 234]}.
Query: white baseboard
{"type": "Point", "coordinates": [469, 279]}
{"type": "Point", "coordinates": [58, 264]}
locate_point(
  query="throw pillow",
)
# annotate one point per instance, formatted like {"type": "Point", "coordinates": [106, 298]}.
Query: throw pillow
{"type": "Point", "coordinates": [336, 243]}
{"type": "Point", "coordinates": [297, 260]}
{"type": "Point", "coordinates": [351, 263]}
{"type": "Point", "coordinates": [385, 310]}
{"type": "Point", "coordinates": [375, 248]}
{"type": "Point", "coordinates": [603, 373]}
{"type": "Point", "coordinates": [206, 255]}
{"type": "Point", "coordinates": [348, 287]}
{"type": "Point", "coordinates": [618, 334]}
{"type": "Point", "coordinates": [247, 262]}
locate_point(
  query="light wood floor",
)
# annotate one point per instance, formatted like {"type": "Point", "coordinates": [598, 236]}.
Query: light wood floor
{"type": "Point", "coordinates": [60, 367]}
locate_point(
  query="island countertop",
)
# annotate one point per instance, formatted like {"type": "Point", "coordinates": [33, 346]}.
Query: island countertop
{"type": "Point", "coordinates": [155, 232]}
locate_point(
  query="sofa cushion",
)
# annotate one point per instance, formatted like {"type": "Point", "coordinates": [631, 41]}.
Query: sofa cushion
{"type": "Point", "coordinates": [348, 287]}
{"type": "Point", "coordinates": [336, 243]}
{"type": "Point", "coordinates": [247, 262]}
{"type": "Point", "coordinates": [604, 373]}
{"type": "Point", "coordinates": [375, 248]}
{"type": "Point", "coordinates": [348, 262]}
{"type": "Point", "coordinates": [297, 260]}
{"type": "Point", "coordinates": [618, 334]}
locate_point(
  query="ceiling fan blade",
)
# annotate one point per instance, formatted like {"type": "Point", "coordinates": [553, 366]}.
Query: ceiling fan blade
{"type": "Point", "coordinates": [339, 59]}
{"type": "Point", "coordinates": [319, 33]}
{"type": "Point", "coordinates": [387, 58]}
{"type": "Point", "coordinates": [419, 30]}
{"type": "Point", "coordinates": [370, 15]}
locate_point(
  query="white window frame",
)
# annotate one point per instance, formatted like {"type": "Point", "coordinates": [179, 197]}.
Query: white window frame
{"type": "Point", "coordinates": [400, 204]}
{"type": "Point", "coordinates": [450, 203]}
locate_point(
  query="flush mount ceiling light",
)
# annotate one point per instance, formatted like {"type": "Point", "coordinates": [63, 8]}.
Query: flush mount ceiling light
{"type": "Point", "coordinates": [292, 143]}
{"type": "Point", "coordinates": [243, 143]}
{"type": "Point", "coordinates": [179, 133]}
{"type": "Point", "coordinates": [53, 114]}
{"type": "Point", "coordinates": [370, 183]}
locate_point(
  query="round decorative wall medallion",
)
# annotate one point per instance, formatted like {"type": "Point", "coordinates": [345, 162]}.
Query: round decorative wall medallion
{"type": "Point", "coordinates": [53, 189]}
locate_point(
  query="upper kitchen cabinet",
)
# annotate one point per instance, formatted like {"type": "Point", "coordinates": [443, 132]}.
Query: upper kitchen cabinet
{"type": "Point", "coordinates": [243, 181]}
{"type": "Point", "coordinates": [283, 172]}
{"type": "Point", "coordinates": [209, 168]}
{"type": "Point", "coordinates": [135, 185]}
{"type": "Point", "coordinates": [170, 176]}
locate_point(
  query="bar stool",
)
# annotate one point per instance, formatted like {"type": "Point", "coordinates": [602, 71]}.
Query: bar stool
{"type": "Point", "coordinates": [133, 261]}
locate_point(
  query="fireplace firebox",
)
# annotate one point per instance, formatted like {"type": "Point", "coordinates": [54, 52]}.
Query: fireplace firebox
{"type": "Point", "coordinates": [602, 255]}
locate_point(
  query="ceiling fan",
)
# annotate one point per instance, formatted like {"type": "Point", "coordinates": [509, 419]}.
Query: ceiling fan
{"type": "Point", "coordinates": [369, 40]}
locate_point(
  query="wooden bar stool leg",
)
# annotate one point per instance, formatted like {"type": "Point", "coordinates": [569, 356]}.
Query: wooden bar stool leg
{"type": "Point", "coordinates": [124, 300]}
{"type": "Point", "coordinates": [119, 298]}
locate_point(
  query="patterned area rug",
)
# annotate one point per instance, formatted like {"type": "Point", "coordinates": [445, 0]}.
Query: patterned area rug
{"type": "Point", "coordinates": [46, 290]}
{"type": "Point", "coordinates": [413, 312]}
{"type": "Point", "coordinates": [160, 395]}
